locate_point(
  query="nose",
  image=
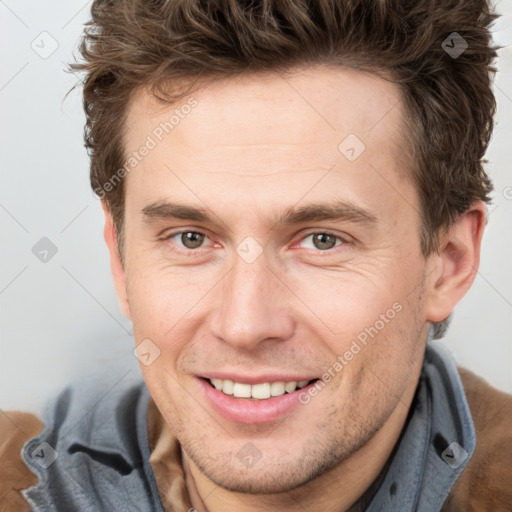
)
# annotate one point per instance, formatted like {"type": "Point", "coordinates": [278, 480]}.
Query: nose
{"type": "Point", "coordinates": [253, 306]}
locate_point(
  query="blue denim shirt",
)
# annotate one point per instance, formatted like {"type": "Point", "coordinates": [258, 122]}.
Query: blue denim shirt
{"type": "Point", "coordinates": [93, 454]}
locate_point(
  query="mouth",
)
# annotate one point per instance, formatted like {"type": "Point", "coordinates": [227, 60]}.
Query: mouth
{"type": "Point", "coordinates": [264, 400]}
{"type": "Point", "coordinates": [255, 392]}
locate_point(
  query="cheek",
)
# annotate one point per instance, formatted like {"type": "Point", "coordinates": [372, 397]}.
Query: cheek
{"type": "Point", "coordinates": [169, 395]}
{"type": "Point", "coordinates": [395, 343]}
{"type": "Point", "coordinates": [162, 299]}
{"type": "Point", "coordinates": [372, 320]}
{"type": "Point", "coordinates": [347, 301]}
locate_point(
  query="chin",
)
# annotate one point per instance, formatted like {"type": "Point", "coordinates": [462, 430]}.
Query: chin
{"type": "Point", "coordinates": [273, 473]}
{"type": "Point", "coordinates": [260, 480]}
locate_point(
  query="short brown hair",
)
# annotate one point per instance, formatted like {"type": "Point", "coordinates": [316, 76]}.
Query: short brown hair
{"type": "Point", "coordinates": [129, 44]}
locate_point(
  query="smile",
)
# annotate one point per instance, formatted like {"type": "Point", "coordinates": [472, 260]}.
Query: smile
{"type": "Point", "coordinates": [264, 400]}
{"type": "Point", "coordinates": [261, 391]}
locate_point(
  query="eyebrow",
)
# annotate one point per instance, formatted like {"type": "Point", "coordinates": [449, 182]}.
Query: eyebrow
{"type": "Point", "coordinates": [332, 211]}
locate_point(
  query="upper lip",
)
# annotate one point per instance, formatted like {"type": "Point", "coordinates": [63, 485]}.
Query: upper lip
{"type": "Point", "coordinates": [247, 379]}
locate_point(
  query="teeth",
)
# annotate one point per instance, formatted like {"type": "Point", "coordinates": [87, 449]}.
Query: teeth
{"type": "Point", "coordinates": [227, 387]}
{"type": "Point", "coordinates": [290, 387]}
{"type": "Point", "coordinates": [261, 391]}
{"type": "Point", "coordinates": [242, 390]}
{"type": "Point", "coordinates": [277, 388]}
{"type": "Point", "coordinates": [217, 383]}
{"type": "Point", "coordinates": [257, 391]}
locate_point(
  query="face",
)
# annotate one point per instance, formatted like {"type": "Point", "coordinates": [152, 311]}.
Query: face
{"type": "Point", "coordinates": [272, 236]}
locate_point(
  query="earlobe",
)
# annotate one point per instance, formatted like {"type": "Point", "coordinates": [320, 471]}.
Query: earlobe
{"type": "Point", "coordinates": [456, 264]}
{"type": "Point", "coordinates": [116, 266]}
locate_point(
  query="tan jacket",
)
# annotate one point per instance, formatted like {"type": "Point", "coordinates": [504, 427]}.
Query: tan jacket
{"type": "Point", "coordinates": [484, 486]}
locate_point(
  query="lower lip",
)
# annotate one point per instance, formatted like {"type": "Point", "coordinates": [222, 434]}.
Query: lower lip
{"type": "Point", "coordinates": [242, 410]}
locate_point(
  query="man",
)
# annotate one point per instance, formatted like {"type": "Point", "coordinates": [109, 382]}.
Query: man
{"type": "Point", "coordinates": [294, 203]}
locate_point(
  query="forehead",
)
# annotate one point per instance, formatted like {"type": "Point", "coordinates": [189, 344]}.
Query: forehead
{"type": "Point", "coordinates": [266, 126]}
{"type": "Point", "coordinates": [325, 101]}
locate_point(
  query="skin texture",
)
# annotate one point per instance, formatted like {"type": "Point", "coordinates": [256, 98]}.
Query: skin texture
{"type": "Point", "coordinates": [251, 148]}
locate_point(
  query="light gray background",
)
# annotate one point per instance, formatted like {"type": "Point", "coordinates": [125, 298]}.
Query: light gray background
{"type": "Point", "coordinates": [61, 320]}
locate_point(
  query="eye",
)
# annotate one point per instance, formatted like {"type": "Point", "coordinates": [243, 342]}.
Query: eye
{"type": "Point", "coordinates": [188, 239]}
{"type": "Point", "coordinates": [322, 241]}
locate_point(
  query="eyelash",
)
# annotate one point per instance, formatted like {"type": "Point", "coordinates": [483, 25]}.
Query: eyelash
{"type": "Point", "coordinates": [197, 250]}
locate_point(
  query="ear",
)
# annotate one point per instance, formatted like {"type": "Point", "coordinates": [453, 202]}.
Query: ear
{"type": "Point", "coordinates": [115, 260]}
{"type": "Point", "coordinates": [456, 264]}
